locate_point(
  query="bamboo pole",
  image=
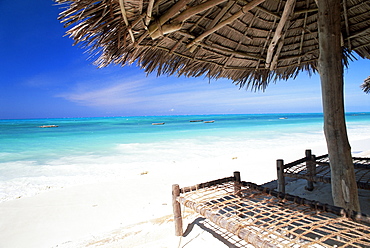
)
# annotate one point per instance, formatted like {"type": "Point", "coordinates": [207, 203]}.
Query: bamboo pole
{"type": "Point", "coordinates": [280, 175]}
{"type": "Point", "coordinates": [177, 210]}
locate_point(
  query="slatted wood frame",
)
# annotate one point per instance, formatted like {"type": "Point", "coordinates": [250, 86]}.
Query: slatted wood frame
{"type": "Point", "coordinates": [300, 169]}
{"type": "Point", "coordinates": [266, 218]}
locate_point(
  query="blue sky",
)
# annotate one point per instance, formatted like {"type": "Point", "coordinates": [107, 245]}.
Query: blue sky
{"type": "Point", "coordinates": [44, 76]}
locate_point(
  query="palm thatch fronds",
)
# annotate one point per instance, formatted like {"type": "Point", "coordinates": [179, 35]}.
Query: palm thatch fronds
{"type": "Point", "coordinates": [366, 85]}
{"type": "Point", "coordinates": [251, 42]}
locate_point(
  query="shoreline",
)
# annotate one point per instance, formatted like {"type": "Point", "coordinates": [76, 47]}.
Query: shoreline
{"type": "Point", "coordinates": [88, 215]}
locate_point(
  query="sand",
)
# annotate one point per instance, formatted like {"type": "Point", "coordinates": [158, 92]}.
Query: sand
{"type": "Point", "coordinates": [136, 210]}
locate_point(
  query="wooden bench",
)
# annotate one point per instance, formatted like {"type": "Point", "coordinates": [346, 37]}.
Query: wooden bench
{"type": "Point", "coordinates": [266, 218]}
{"type": "Point", "coordinates": [317, 169]}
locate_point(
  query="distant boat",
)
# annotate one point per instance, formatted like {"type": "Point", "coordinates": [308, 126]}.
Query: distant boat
{"type": "Point", "coordinates": [196, 120]}
{"type": "Point", "coordinates": [160, 123]}
{"type": "Point", "coordinates": [209, 121]}
{"type": "Point", "coordinates": [46, 126]}
{"type": "Point", "coordinates": [283, 118]}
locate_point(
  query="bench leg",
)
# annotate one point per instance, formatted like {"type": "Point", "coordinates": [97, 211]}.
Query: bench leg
{"type": "Point", "coordinates": [280, 175]}
{"type": "Point", "coordinates": [311, 169]}
{"type": "Point", "coordinates": [177, 210]}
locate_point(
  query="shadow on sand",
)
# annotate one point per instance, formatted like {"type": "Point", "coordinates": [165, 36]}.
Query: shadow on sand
{"type": "Point", "coordinates": [221, 234]}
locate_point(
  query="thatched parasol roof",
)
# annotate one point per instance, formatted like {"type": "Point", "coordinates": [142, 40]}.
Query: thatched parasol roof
{"type": "Point", "coordinates": [366, 85]}
{"type": "Point", "coordinates": [248, 41]}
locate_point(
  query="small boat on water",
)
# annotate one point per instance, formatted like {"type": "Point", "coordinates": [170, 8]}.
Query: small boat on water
{"type": "Point", "coordinates": [196, 120]}
{"type": "Point", "coordinates": [283, 118]}
{"type": "Point", "coordinates": [160, 123]}
{"type": "Point", "coordinates": [47, 126]}
{"type": "Point", "coordinates": [209, 121]}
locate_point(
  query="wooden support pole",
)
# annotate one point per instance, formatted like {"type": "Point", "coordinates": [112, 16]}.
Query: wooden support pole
{"type": "Point", "coordinates": [237, 183]}
{"type": "Point", "coordinates": [177, 210]}
{"type": "Point", "coordinates": [311, 170]}
{"type": "Point", "coordinates": [330, 66]}
{"type": "Point", "coordinates": [280, 175]}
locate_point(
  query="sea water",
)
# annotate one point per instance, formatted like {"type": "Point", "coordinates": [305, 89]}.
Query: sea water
{"type": "Point", "coordinates": [84, 150]}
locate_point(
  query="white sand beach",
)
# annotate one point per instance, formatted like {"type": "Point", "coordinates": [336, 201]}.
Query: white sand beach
{"type": "Point", "coordinates": [136, 211]}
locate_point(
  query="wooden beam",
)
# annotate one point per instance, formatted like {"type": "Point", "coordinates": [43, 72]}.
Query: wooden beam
{"type": "Point", "coordinates": [186, 34]}
{"type": "Point", "coordinates": [197, 9]}
{"type": "Point", "coordinates": [261, 9]}
{"type": "Point", "coordinates": [288, 9]}
{"type": "Point", "coordinates": [280, 45]}
{"type": "Point", "coordinates": [305, 11]}
{"type": "Point", "coordinates": [312, 61]}
{"type": "Point", "coordinates": [267, 12]}
{"type": "Point", "coordinates": [184, 16]}
{"type": "Point", "coordinates": [235, 53]}
{"type": "Point", "coordinates": [268, 36]}
{"type": "Point", "coordinates": [358, 5]}
{"type": "Point", "coordinates": [238, 14]}
{"type": "Point", "coordinates": [123, 12]}
{"type": "Point", "coordinates": [149, 12]}
{"type": "Point", "coordinates": [359, 47]}
{"type": "Point", "coordinates": [303, 33]}
{"type": "Point", "coordinates": [221, 14]}
{"type": "Point", "coordinates": [145, 34]}
{"type": "Point", "coordinates": [167, 15]}
{"type": "Point", "coordinates": [277, 53]}
{"type": "Point", "coordinates": [178, 43]}
{"type": "Point", "coordinates": [196, 25]}
{"type": "Point", "coordinates": [240, 41]}
{"type": "Point", "coordinates": [166, 29]}
{"type": "Point", "coordinates": [360, 33]}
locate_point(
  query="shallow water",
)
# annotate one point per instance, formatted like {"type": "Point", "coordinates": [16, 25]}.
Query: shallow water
{"type": "Point", "coordinates": [83, 150]}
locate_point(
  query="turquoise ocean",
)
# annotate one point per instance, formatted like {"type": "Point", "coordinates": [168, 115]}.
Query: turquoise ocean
{"type": "Point", "coordinates": [83, 150]}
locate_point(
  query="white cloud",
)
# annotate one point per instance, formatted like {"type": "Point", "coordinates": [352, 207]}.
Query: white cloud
{"type": "Point", "coordinates": [150, 95]}
{"type": "Point", "coordinates": [113, 94]}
